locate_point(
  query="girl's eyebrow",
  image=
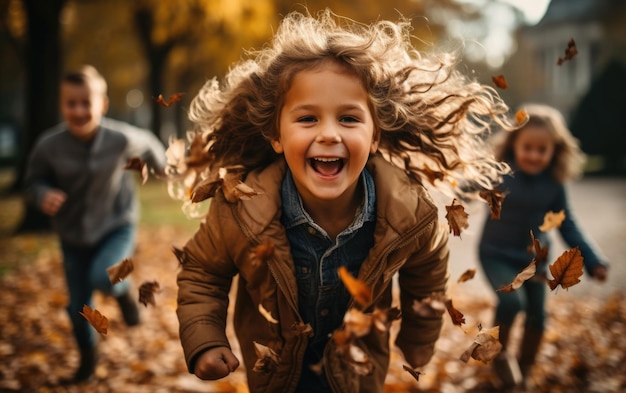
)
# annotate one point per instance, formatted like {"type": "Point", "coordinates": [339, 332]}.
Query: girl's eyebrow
{"type": "Point", "coordinates": [346, 107]}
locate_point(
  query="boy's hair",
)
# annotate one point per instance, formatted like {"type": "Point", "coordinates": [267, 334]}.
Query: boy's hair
{"type": "Point", "coordinates": [429, 118]}
{"type": "Point", "coordinates": [567, 160]}
{"type": "Point", "coordinates": [87, 75]}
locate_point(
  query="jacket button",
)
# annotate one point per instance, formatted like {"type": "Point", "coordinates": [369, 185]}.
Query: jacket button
{"type": "Point", "coordinates": [311, 230]}
{"type": "Point", "coordinates": [324, 312]}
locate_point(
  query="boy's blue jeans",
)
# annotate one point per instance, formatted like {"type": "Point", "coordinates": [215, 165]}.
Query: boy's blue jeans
{"type": "Point", "coordinates": [86, 271]}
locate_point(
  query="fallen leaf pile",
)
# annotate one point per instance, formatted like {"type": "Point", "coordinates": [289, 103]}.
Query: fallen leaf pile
{"type": "Point", "coordinates": [584, 348]}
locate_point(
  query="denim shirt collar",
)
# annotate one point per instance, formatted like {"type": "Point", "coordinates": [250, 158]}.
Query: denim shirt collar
{"type": "Point", "coordinates": [294, 213]}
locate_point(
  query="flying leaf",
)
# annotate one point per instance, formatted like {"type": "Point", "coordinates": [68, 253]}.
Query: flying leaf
{"type": "Point", "coordinates": [528, 272]}
{"type": "Point", "coordinates": [359, 361]}
{"type": "Point", "coordinates": [234, 189]}
{"type": "Point", "coordinates": [541, 253]}
{"type": "Point", "coordinates": [267, 315]}
{"type": "Point", "coordinates": [267, 359]}
{"type": "Point", "coordinates": [147, 291]}
{"type": "Point", "coordinates": [566, 269]}
{"type": "Point", "coordinates": [457, 317]}
{"type": "Point", "coordinates": [467, 275]}
{"type": "Point", "coordinates": [382, 318]}
{"type": "Point", "coordinates": [357, 323]}
{"type": "Point", "coordinates": [120, 270]}
{"type": "Point", "coordinates": [95, 319]}
{"type": "Point", "coordinates": [521, 116]}
{"type": "Point", "coordinates": [261, 253]}
{"type": "Point", "coordinates": [552, 220]}
{"type": "Point", "coordinates": [206, 189]}
{"type": "Point", "coordinates": [414, 373]}
{"type": "Point", "coordinates": [485, 347]}
{"type": "Point", "coordinates": [138, 165]}
{"type": "Point", "coordinates": [432, 175]}
{"type": "Point", "coordinates": [361, 293]}
{"type": "Point", "coordinates": [173, 98]}
{"type": "Point", "coordinates": [500, 82]}
{"type": "Point", "coordinates": [494, 199]}
{"type": "Point", "coordinates": [432, 306]}
{"type": "Point", "coordinates": [180, 255]}
{"type": "Point", "coordinates": [457, 218]}
{"type": "Point", "coordinates": [197, 151]}
{"type": "Point", "coordinates": [570, 52]}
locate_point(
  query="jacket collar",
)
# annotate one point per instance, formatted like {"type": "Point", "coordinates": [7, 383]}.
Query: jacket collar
{"type": "Point", "coordinates": [398, 200]}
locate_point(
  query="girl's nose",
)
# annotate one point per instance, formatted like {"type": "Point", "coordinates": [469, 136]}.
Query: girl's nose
{"type": "Point", "coordinates": [328, 133]}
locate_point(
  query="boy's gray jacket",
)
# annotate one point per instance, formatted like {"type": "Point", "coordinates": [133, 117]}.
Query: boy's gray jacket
{"type": "Point", "coordinates": [408, 240]}
{"type": "Point", "coordinates": [100, 192]}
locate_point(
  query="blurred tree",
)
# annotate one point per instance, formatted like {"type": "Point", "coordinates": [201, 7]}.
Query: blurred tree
{"type": "Point", "coordinates": [41, 53]}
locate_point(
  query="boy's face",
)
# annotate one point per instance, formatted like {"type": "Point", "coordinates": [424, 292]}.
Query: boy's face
{"type": "Point", "coordinates": [82, 109]}
{"type": "Point", "coordinates": [326, 133]}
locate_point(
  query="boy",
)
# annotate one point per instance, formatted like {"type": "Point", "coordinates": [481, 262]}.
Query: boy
{"type": "Point", "coordinates": [76, 175]}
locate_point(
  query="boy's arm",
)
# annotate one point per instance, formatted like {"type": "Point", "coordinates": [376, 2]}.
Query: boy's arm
{"type": "Point", "coordinates": [424, 273]}
{"type": "Point", "coordinates": [203, 286]}
{"type": "Point", "coordinates": [145, 145]}
{"type": "Point", "coordinates": [37, 178]}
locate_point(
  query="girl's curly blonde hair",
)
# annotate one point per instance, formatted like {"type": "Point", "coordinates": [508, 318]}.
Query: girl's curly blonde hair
{"type": "Point", "coordinates": [567, 160]}
{"type": "Point", "coordinates": [431, 120]}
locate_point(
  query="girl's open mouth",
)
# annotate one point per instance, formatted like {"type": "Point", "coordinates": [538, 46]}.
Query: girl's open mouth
{"type": "Point", "coordinates": [327, 166]}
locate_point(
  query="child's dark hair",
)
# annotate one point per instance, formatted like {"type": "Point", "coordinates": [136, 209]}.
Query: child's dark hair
{"type": "Point", "coordinates": [87, 75]}
{"type": "Point", "coordinates": [567, 160]}
{"type": "Point", "coordinates": [428, 116]}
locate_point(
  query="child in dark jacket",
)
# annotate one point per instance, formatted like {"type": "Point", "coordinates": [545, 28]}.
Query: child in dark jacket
{"type": "Point", "coordinates": [76, 175]}
{"type": "Point", "coordinates": [544, 156]}
{"type": "Point", "coordinates": [314, 149]}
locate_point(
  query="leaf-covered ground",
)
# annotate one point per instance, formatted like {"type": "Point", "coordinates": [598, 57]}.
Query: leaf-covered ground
{"type": "Point", "coordinates": [584, 348]}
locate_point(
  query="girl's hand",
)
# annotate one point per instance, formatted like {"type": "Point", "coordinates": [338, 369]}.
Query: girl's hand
{"type": "Point", "coordinates": [600, 273]}
{"type": "Point", "coordinates": [216, 363]}
{"type": "Point", "coordinates": [52, 201]}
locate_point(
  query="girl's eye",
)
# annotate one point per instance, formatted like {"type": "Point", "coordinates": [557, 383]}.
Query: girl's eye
{"type": "Point", "coordinates": [306, 119]}
{"type": "Point", "coordinates": [349, 119]}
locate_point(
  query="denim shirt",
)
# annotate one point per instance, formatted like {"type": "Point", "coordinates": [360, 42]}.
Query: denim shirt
{"type": "Point", "coordinates": [322, 297]}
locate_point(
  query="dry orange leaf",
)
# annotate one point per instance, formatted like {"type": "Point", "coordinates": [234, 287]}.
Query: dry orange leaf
{"type": "Point", "coordinates": [457, 317]}
{"type": "Point", "coordinates": [414, 373]}
{"type": "Point", "coordinates": [180, 254]}
{"type": "Point", "coordinates": [173, 98]}
{"type": "Point", "coordinates": [95, 319]}
{"type": "Point", "coordinates": [485, 347]}
{"type": "Point", "coordinates": [552, 220]}
{"type": "Point", "coordinates": [467, 275]}
{"type": "Point", "coordinates": [147, 291]}
{"type": "Point", "coordinates": [432, 306]}
{"type": "Point", "coordinates": [457, 218]}
{"type": "Point", "coordinates": [494, 199]}
{"type": "Point", "coordinates": [567, 269]}
{"type": "Point", "coordinates": [267, 315]}
{"type": "Point", "coordinates": [267, 358]}
{"type": "Point", "coordinates": [382, 318]}
{"type": "Point", "coordinates": [432, 175]}
{"type": "Point", "coordinates": [541, 252]}
{"type": "Point", "coordinates": [120, 270]}
{"type": "Point", "coordinates": [361, 293]}
{"type": "Point", "coordinates": [137, 164]}
{"type": "Point", "coordinates": [521, 116]}
{"type": "Point", "coordinates": [234, 189]}
{"type": "Point", "coordinates": [528, 272]}
{"type": "Point", "coordinates": [357, 323]}
{"type": "Point", "coordinates": [500, 82]}
{"type": "Point", "coordinates": [570, 52]}
{"type": "Point", "coordinates": [262, 253]}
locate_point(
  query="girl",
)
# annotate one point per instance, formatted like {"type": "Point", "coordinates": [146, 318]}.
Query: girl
{"type": "Point", "coordinates": [331, 127]}
{"type": "Point", "coordinates": [543, 155]}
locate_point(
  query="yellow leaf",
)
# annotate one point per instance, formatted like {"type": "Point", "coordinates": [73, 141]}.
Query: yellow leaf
{"type": "Point", "coordinates": [552, 220]}
{"type": "Point", "coordinates": [361, 293]}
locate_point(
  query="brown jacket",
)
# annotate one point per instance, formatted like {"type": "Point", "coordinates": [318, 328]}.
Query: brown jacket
{"type": "Point", "coordinates": [408, 240]}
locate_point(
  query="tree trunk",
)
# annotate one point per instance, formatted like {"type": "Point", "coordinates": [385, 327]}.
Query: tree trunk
{"type": "Point", "coordinates": [43, 63]}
